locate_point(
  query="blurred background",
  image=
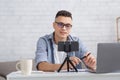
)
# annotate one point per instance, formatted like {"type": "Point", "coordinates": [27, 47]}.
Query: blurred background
{"type": "Point", "coordinates": [22, 22]}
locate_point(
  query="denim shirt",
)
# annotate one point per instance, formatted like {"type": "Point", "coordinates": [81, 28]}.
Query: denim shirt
{"type": "Point", "coordinates": [45, 49]}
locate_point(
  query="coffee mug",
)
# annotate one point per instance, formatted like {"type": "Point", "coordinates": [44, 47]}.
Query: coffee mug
{"type": "Point", "coordinates": [25, 66]}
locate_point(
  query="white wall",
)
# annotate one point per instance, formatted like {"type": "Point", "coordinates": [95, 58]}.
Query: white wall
{"type": "Point", "coordinates": [22, 22]}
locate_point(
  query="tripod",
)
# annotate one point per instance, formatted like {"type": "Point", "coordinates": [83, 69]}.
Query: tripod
{"type": "Point", "coordinates": [67, 59]}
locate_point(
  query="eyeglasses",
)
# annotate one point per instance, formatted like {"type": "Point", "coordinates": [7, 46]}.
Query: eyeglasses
{"type": "Point", "coordinates": [61, 25]}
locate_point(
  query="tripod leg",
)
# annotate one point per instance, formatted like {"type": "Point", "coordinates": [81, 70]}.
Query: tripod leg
{"type": "Point", "coordinates": [67, 65]}
{"type": "Point", "coordinates": [62, 65]}
{"type": "Point", "coordinates": [73, 66]}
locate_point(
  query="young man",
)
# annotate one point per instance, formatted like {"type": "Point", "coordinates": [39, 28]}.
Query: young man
{"type": "Point", "coordinates": [48, 58]}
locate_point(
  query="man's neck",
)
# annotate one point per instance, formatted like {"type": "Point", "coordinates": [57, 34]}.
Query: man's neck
{"type": "Point", "coordinates": [57, 39]}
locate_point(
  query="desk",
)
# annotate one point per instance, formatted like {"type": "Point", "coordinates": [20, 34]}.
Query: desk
{"type": "Point", "coordinates": [37, 75]}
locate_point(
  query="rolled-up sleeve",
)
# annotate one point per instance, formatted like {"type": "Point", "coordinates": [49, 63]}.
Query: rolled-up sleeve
{"type": "Point", "coordinates": [41, 51]}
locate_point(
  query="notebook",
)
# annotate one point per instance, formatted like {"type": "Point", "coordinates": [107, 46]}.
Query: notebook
{"type": "Point", "coordinates": [108, 57]}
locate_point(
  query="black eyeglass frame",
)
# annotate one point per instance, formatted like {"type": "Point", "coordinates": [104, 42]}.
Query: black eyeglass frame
{"type": "Point", "coordinates": [61, 25]}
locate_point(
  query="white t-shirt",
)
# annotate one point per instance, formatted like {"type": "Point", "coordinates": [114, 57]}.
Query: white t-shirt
{"type": "Point", "coordinates": [59, 55]}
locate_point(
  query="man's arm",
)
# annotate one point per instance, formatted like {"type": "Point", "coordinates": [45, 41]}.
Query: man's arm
{"type": "Point", "coordinates": [49, 67]}
{"type": "Point", "coordinates": [45, 66]}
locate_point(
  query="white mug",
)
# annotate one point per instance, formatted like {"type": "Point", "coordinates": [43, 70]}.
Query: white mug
{"type": "Point", "coordinates": [25, 66]}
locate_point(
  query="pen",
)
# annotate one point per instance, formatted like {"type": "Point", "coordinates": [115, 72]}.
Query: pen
{"type": "Point", "coordinates": [85, 56]}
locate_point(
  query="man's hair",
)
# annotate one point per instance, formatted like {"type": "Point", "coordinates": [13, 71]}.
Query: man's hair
{"type": "Point", "coordinates": [63, 13]}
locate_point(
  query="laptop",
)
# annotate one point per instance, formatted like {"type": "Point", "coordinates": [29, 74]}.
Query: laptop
{"type": "Point", "coordinates": [108, 57]}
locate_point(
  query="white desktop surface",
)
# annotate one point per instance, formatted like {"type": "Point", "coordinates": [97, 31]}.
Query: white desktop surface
{"type": "Point", "coordinates": [37, 75]}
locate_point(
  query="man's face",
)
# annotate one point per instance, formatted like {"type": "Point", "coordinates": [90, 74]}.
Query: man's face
{"type": "Point", "coordinates": [62, 26]}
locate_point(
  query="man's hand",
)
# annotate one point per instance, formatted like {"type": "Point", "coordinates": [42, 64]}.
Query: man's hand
{"type": "Point", "coordinates": [74, 60]}
{"type": "Point", "coordinates": [90, 61]}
